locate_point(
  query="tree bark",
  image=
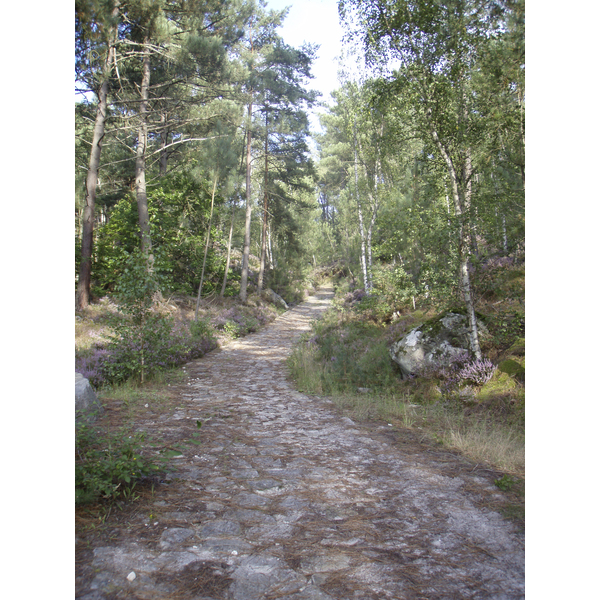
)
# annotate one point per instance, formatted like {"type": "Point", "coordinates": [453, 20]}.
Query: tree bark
{"type": "Point", "coordinates": [363, 253]}
{"type": "Point", "coordinates": [91, 182]}
{"type": "Point", "coordinates": [270, 249]}
{"type": "Point", "coordinates": [463, 246]}
{"type": "Point", "coordinates": [164, 141]}
{"type": "Point", "coordinates": [212, 203]}
{"type": "Point", "coordinates": [228, 251]}
{"type": "Point", "coordinates": [263, 246]}
{"type": "Point", "coordinates": [140, 159]}
{"type": "Point", "coordinates": [246, 254]}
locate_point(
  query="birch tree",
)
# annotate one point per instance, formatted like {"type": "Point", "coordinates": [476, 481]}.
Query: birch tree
{"type": "Point", "coordinates": [437, 46]}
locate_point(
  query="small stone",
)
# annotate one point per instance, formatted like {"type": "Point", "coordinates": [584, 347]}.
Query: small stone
{"type": "Point", "coordinates": [131, 576]}
{"type": "Point", "coordinates": [146, 405]}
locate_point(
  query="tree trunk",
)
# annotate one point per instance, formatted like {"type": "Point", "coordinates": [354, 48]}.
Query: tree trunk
{"type": "Point", "coordinates": [212, 203]}
{"type": "Point", "coordinates": [374, 202]}
{"type": "Point", "coordinates": [228, 251]}
{"type": "Point", "coordinates": [270, 249]}
{"type": "Point", "coordinates": [263, 246]}
{"type": "Point", "coordinates": [164, 140]}
{"type": "Point", "coordinates": [463, 246]}
{"type": "Point", "coordinates": [140, 159]}
{"type": "Point", "coordinates": [363, 253]}
{"type": "Point", "coordinates": [91, 182]}
{"type": "Point", "coordinates": [246, 255]}
{"type": "Point", "coordinates": [467, 178]}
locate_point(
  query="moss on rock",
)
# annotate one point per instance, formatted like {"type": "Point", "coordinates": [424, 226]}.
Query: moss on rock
{"type": "Point", "coordinates": [518, 348]}
{"type": "Point", "coordinates": [502, 384]}
{"type": "Point", "coordinates": [511, 367]}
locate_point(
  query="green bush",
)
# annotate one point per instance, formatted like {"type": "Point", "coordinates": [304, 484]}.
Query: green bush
{"type": "Point", "coordinates": [108, 466]}
{"type": "Point", "coordinates": [202, 329]}
{"type": "Point", "coordinates": [394, 286]}
{"type": "Point", "coordinates": [346, 356]}
{"type": "Point", "coordinates": [139, 344]}
{"type": "Point", "coordinates": [375, 307]}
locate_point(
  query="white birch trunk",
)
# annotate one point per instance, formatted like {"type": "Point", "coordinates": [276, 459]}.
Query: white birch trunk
{"type": "Point", "coordinates": [212, 204]}
{"type": "Point", "coordinates": [246, 253]}
{"type": "Point", "coordinates": [463, 247]}
{"type": "Point", "coordinates": [140, 159]}
{"type": "Point", "coordinates": [363, 252]}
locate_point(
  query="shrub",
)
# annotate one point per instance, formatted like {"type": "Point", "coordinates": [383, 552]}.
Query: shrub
{"type": "Point", "coordinates": [91, 365]}
{"type": "Point", "coordinates": [139, 333]}
{"type": "Point", "coordinates": [240, 320]}
{"type": "Point", "coordinates": [108, 466]}
{"type": "Point", "coordinates": [201, 329]}
{"type": "Point", "coordinates": [346, 356]}
{"type": "Point", "coordinates": [174, 345]}
{"type": "Point", "coordinates": [477, 372]}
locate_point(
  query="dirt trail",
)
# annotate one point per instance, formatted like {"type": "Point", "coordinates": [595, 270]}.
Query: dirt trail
{"type": "Point", "coordinates": [285, 499]}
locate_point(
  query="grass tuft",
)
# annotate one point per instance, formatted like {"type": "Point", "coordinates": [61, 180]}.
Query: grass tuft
{"type": "Point", "coordinates": [346, 358]}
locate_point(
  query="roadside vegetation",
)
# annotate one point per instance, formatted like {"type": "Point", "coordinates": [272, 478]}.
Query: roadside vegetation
{"type": "Point", "coordinates": [133, 346]}
{"type": "Point", "coordinates": [477, 408]}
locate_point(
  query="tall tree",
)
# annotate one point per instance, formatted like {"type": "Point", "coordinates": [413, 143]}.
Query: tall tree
{"type": "Point", "coordinates": [284, 100]}
{"type": "Point", "coordinates": [260, 36]}
{"type": "Point", "coordinates": [437, 45]}
{"type": "Point", "coordinates": [96, 34]}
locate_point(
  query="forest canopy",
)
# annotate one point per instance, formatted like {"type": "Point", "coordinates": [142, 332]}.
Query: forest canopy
{"type": "Point", "coordinates": [193, 146]}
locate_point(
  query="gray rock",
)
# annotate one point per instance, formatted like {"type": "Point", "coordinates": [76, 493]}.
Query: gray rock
{"type": "Point", "coordinates": [221, 528]}
{"type": "Point", "coordinates": [257, 575]}
{"type": "Point", "coordinates": [436, 342]}
{"type": "Point", "coordinates": [86, 401]}
{"type": "Point", "coordinates": [174, 536]}
{"type": "Point", "coordinates": [276, 299]}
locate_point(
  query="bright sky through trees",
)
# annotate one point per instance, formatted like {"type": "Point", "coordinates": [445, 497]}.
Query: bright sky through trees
{"type": "Point", "coordinates": [315, 22]}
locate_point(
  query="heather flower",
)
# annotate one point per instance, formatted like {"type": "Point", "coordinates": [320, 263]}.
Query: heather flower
{"type": "Point", "coordinates": [477, 372]}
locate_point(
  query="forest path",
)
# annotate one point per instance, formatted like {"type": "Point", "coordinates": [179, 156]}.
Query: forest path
{"type": "Point", "coordinates": [287, 500]}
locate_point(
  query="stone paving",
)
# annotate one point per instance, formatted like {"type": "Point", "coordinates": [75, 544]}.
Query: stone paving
{"type": "Point", "coordinates": [287, 500]}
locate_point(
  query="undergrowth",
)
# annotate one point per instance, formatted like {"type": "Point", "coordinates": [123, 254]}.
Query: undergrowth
{"type": "Point", "coordinates": [108, 465]}
{"type": "Point", "coordinates": [470, 406]}
{"type": "Point", "coordinates": [129, 347]}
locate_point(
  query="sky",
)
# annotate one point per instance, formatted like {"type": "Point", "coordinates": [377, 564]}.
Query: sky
{"type": "Point", "coordinates": [315, 22]}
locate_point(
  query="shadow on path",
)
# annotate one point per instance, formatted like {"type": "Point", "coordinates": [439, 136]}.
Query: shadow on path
{"type": "Point", "coordinates": [286, 499]}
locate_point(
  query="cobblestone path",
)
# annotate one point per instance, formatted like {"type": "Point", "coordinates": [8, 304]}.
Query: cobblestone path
{"type": "Point", "coordinates": [287, 500]}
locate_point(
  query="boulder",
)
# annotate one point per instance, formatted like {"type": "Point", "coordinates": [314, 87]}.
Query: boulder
{"type": "Point", "coordinates": [435, 344]}
{"type": "Point", "coordinates": [514, 368]}
{"type": "Point", "coordinates": [86, 401]}
{"type": "Point", "coordinates": [276, 299]}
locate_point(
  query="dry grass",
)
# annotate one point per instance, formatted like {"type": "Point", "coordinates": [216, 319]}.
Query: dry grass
{"type": "Point", "coordinates": [483, 440]}
{"type": "Point", "coordinates": [503, 448]}
{"type": "Point", "coordinates": [491, 435]}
